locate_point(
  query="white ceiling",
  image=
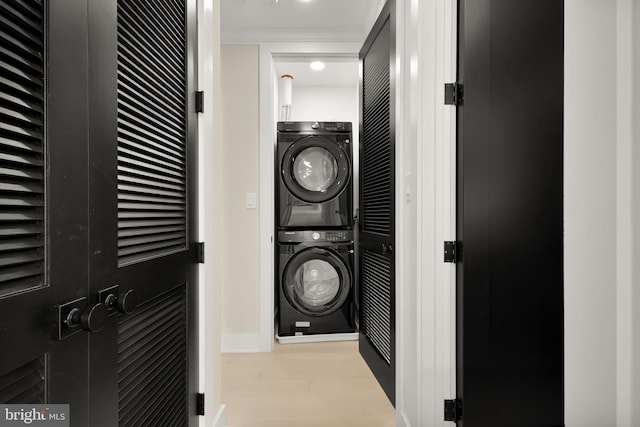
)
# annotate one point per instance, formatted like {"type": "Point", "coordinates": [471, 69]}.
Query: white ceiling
{"type": "Point", "coordinates": [295, 20]}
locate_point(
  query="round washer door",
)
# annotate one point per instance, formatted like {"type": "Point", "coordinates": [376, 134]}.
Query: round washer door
{"type": "Point", "coordinates": [315, 169]}
{"type": "Point", "coordinates": [316, 281]}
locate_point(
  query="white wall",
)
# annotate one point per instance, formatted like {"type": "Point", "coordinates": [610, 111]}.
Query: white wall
{"type": "Point", "coordinates": [325, 103]}
{"type": "Point", "coordinates": [598, 352]}
{"type": "Point", "coordinates": [241, 168]}
{"type": "Point", "coordinates": [635, 211]}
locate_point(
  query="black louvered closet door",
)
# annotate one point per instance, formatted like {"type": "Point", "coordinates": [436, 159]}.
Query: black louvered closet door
{"type": "Point", "coordinates": [98, 204]}
{"type": "Point", "coordinates": [156, 211]}
{"type": "Point", "coordinates": [376, 260]}
{"type": "Point", "coordinates": [43, 200]}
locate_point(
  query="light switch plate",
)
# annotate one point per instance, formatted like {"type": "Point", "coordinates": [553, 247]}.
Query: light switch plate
{"type": "Point", "coordinates": [250, 200]}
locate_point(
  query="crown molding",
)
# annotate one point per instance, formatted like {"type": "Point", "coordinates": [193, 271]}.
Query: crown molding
{"type": "Point", "coordinates": [257, 35]}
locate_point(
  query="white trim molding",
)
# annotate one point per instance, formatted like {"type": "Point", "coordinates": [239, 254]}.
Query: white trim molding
{"type": "Point", "coordinates": [425, 211]}
{"type": "Point", "coordinates": [241, 343]}
{"type": "Point", "coordinates": [624, 226]}
{"type": "Point", "coordinates": [220, 419]}
{"type": "Point", "coordinates": [209, 208]}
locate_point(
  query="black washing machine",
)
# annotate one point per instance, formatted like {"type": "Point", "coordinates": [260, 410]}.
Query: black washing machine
{"type": "Point", "coordinates": [314, 183]}
{"type": "Point", "coordinates": [316, 282]}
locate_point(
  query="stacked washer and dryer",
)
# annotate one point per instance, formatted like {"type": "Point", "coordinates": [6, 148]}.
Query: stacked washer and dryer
{"type": "Point", "coordinates": [314, 229]}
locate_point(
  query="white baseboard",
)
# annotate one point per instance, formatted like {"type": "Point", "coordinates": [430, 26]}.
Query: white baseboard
{"type": "Point", "coordinates": [402, 420]}
{"type": "Point", "coordinates": [221, 417]}
{"type": "Point", "coordinates": [241, 343]}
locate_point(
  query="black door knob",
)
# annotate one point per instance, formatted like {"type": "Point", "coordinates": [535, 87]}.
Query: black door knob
{"type": "Point", "coordinates": [90, 318]}
{"type": "Point", "coordinates": [127, 302]}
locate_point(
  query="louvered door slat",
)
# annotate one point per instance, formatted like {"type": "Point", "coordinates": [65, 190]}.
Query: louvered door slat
{"type": "Point", "coordinates": [12, 25]}
{"type": "Point", "coordinates": [150, 249]}
{"type": "Point", "coordinates": [133, 83]}
{"type": "Point", "coordinates": [137, 24]}
{"type": "Point", "coordinates": [11, 229]}
{"type": "Point", "coordinates": [14, 244]}
{"type": "Point", "coordinates": [131, 162]}
{"type": "Point", "coordinates": [169, 19]}
{"type": "Point", "coordinates": [145, 349]}
{"type": "Point", "coordinates": [25, 385]}
{"type": "Point", "coordinates": [133, 190]}
{"type": "Point", "coordinates": [156, 174]}
{"type": "Point", "coordinates": [151, 24]}
{"type": "Point", "coordinates": [24, 18]}
{"type": "Point", "coordinates": [159, 145]}
{"type": "Point", "coordinates": [22, 188]}
{"type": "Point", "coordinates": [149, 182]}
{"type": "Point", "coordinates": [20, 118]}
{"type": "Point", "coordinates": [13, 144]}
{"type": "Point", "coordinates": [30, 9]}
{"type": "Point", "coordinates": [151, 127]}
{"type": "Point", "coordinates": [155, 115]}
{"type": "Point", "coordinates": [127, 226]}
{"type": "Point", "coordinates": [376, 302]}
{"type": "Point", "coordinates": [146, 71]}
{"type": "Point", "coordinates": [31, 273]}
{"type": "Point", "coordinates": [21, 49]}
{"type": "Point", "coordinates": [137, 119]}
{"type": "Point", "coordinates": [133, 157]}
{"type": "Point", "coordinates": [174, 17]}
{"type": "Point", "coordinates": [15, 59]}
{"type": "Point", "coordinates": [20, 173]}
{"type": "Point", "coordinates": [19, 75]}
{"type": "Point", "coordinates": [151, 207]}
{"type": "Point", "coordinates": [150, 230]}
{"type": "Point", "coordinates": [21, 146]}
{"type": "Point", "coordinates": [150, 199]}
{"type": "Point", "coordinates": [151, 356]}
{"type": "Point", "coordinates": [17, 89]}
{"type": "Point", "coordinates": [160, 357]}
{"type": "Point", "coordinates": [147, 47]}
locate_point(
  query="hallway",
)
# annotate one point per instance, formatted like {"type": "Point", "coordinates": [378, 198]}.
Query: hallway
{"type": "Point", "coordinates": [278, 389]}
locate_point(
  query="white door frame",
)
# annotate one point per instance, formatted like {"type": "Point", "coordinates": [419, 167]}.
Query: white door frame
{"type": "Point", "coordinates": [268, 118]}
{"type": "Point", "coordinates": [425, 207]}
{"type": "Point", "coordinates": [425, 203]}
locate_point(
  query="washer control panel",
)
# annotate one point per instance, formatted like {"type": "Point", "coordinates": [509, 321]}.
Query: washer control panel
{"type": "Point", "coordinates": [338, 236]}
{"type": "Point", "coordinates": [314, 126]}
{"type": "Point", "coordinates": [300, 236]}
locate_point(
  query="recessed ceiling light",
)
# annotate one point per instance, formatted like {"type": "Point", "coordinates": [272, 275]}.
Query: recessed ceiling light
{"type": "Point", "coordinates": [317, 65]}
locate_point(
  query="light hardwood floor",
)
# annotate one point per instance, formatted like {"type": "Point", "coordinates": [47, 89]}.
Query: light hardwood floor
{"type": "Point", "coordinates": [303, 385]}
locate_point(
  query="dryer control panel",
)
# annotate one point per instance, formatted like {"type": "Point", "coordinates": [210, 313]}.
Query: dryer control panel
{"type": "Point", "coordinates": [315, 236]}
